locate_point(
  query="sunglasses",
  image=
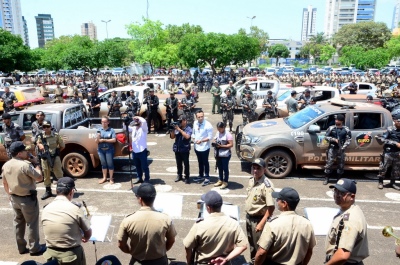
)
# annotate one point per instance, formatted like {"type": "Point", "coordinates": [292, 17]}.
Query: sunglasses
{"type": "Point", "coordinates": [46, 127]}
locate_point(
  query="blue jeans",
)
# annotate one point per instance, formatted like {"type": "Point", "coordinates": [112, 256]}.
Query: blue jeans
{"type": "Point", "coordinates": [204, 165]}
{"type": "Point", "coordinates": [223, 168]}
{"type": "Point", "coordinates": [140, 162]}
{"type": "Point", "coordinates": [106, 158]}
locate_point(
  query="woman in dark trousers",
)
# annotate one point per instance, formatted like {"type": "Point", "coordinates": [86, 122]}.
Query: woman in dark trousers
{"type": "Point", "coordinates": [223, 142]}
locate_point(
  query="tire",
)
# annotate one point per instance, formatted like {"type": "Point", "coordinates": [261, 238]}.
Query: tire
{"type": "Point", "coordinates": [75, 165]}
{"type": "Point", "coordinates": [279, 164]}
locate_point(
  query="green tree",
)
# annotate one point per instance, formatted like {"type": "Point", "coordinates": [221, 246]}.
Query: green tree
{"type": "Point", "coordinates": [326, 52]}
{"type": "Point", "coordinates": [369, 35]}
{"type": "Point", "coordinates": [14, 55]}
{"type": "Point", "coordinates": [393, 46]}
{"type": "Point", "coordinates": [363, 59]}
{"type": "Point", "coordinates": [175, 33]}
{"type": "Point", "coordinates": [261, 36]}
{"type": "Point", "coordinates": [320, 38]}
{"type": "Point", "coordinates": [278, 51]}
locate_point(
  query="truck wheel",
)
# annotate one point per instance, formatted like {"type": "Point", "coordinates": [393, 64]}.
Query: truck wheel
{"type": "Point", "coordinates": [279, 164]}
{"type": "Point", "coordinates": [75, 165]}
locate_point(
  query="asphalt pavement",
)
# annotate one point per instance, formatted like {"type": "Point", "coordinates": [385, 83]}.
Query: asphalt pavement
{"type": "Point", "coordinates": [180, 200]}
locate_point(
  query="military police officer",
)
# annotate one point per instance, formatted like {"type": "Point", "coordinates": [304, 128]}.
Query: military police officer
{"type": "Point", "coordinates": [305, 99]}
{"type": "Point", "coordinates": [94, 104]}
{"type": "Point", "coordinates": [8, 98]}
{"type": "Point", "coordinates": [270, 106]}
{"type": "Point", "coordinates": [152, 103]}
{"type": "Point", "coordinates": [216, 93]}
{"type": "Point", "coordinates": [76, 99]}
{"type": "Point", "coordinates": [246, 90]}
{"type": "Point", "coordinates": [12, 131]}
{"type": "Point", "coordinates": [133, 104]}
{"type": "Point", "coordinates": [187, 103]}
{"type": "Point", "coordinates": [338, 136]}
{"type": "Point", "coordinates": [50, 145]}
{"type": "Point", "coordinates": [58, 91]}
{"type": "Point", "coordinates": [228, 104]}
{"type": "Point", "coordinates": [171, 105]}
{"type": "Point", "coordinates": [249, 106]}
{"type": "Point", "coordinates": [114, 104]}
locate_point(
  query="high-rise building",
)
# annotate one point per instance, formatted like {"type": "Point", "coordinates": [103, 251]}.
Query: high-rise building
{"type": "Point", "coordinates": [396, 15]}
{"type": "Point", "coordinates": [11, 17]}
{"type": "Point", "coordinates": [309, 20]}
{"type": "Point", "coordinates": [26, 35]}
{"type": "Point", "coordinates": [341, 12]}
{"type": "Point", "coordinates": [89, 29]}
{"type": "Point", "coordinates": [45, 28]}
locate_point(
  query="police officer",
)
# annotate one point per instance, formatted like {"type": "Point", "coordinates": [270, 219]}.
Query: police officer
{"type": "Point", "coordinates": [37, 125]}
{"type": "Point", "coordinates": [347, 238]}
{"type": "Point", "coordinates": [232, 89]}
{"type": "Point", "coordinates": [50, 145]}
{"type": "Point", "coordinates": [94, 104]}
{"type": "Point", "coordinates": [353, 87]}
{"type": "Point", "coordinates": [133, 104]}
{"type": "Point", "coordinates": [305, 98]}
{"type": "Point", "coordinates": [44, 91]}
{"type": "Point", "coordinates": [182, 134]}
{"type": "Point", "coordinates": [58, 91]}
{"type": "Point", "coordinates": [391, 153]}
{"type": "Point", "coordinates": [8, 98]}
{"type": "Point", "coordinates": [71, 89]}
{"type": "Point", "coordinates": [65, 226]}
{"type": "Point", "coordinates": [249, 106]}
{"type": "Point", "coordinates": [187, 103]}
{"type": "Point", "coordinates": [76, 99]}
{"type": "Point", "coordinates": [171, 105]}
{"type": "Point", "coordinates": [228, 104]}
{"type": "Point", "coordinates": [152, 103]}
{"type": "Point", "coordinates": [338, 136]}
{"type": "Point", "coordinates": [12, 131]}
{"type": "Point", "coordinates": [216, 93]}
{"type": "Point", "coordinates": [150, 232]}
{"type": "Point", "coordinates": [114, 104]}
{"type": "Point", "coordinates": [259, 204]}
{"type": "Point", "coordinates": [270, 106]}
{"type": "Point", "coordinates": [246, 90]}
{"type": "Point", "coordinates": [19, 181]}
{"type": "Point", "coordinates": [216, 239]}
{"type": "Point", "coordinates": [280, 245]}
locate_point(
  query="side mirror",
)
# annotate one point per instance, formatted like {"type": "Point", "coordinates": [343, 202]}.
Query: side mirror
{"type": "Point", "coordinates": [314, 129]}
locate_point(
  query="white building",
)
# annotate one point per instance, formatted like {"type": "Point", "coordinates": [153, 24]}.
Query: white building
{"type": "Point", "coordinates": [396, 15]}
{"type": "Point", "coordinates": [308, 26]}
{"type": "Point", "coordinates": [11, 17]}
{"type": "Point", "coordinates": [293, 46]}
{"type": "Point", "coordinates": [89, 29]}
{"type": "Point", "coordinates": [341, 12]}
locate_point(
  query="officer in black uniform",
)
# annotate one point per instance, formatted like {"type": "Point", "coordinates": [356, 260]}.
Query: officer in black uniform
{"type": "Point", "coordinates": [152, 103]}
{"type": "Point", "coordinates": [13, 133]}
{"type": "Point", "coordinates": [339, 137]}
{"type": "Point", "coordinates": [94, 104]}
{"type": "Point", "coordinates": [305, 99]}
{"type": "Point", "coordinates": [391, 153]}
{"type": "Point", "coordinates": [228, 104]}
{"type": "Point", "coordinates": [249, 106]}
{"type": "Point", "coordinates": [171, 104]}
{"type": "Point", "coordinates": [114, 104]}
{"type": "Point", "coordinates": [133, 104]}
{"type": "Point", "coordinates": [8, 98]}
{"type": "Point", "coordinates": [188, 105]}
{"type": "Point", "coordinates": [270, 106]}
{"type": "Point", "coordinates": [246, 90]}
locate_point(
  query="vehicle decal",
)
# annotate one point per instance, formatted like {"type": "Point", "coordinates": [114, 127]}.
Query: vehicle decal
{"type": "Point", "coordinates": [367, 159]}
{"type": "Point", "coordinates": [73, 116]}
{"type": "Point", "coordinates": [92, 135]}
{"type": "Point", "coordinates": [297, 133]}
{"type": "Point", "coordinates": [263, 124]}
{"type": "Point", "coordinates": [321, 142]}
{"type": "Point", "coordinates": [363, 140]}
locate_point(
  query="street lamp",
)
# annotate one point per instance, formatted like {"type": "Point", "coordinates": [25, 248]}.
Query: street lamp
{"type": "Point", "coordinates": [106, 26]}
{"type": "Point", "coordinates": [251, 18]}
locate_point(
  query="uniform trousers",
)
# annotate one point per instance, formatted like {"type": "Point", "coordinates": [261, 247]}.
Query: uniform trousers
{"type": "Point", "coordinates": [26, 214]}
{"type": "Point", "coordinates": [252, 235]}
{"type": "Point", "coordinates": [390, 160]}
{"type": "Point", "coordinates": [57, 170]}
{"type": "Point", "coordinates": [216, 101]}
{"type": "Point", "coordinates": [331, 155]}
{"type": "Point", "coordinates": [72, 256]}
{"type": "Point", "coordinates": [182, 157]}
{"type": "Point", "coordinates": [159, 261]}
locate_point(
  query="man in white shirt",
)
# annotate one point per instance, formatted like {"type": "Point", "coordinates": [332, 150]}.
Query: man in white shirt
{"type": "Point", "coordinates": [202, 135]}
{"type": "Point", "coordinates": [139, 130]}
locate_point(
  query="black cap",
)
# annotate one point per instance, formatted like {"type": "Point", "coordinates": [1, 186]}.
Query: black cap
{"type": "Point", "coordinates": [6, 116]}
{"type": "Point", "coordinates": [151, 90]}
{"type": "Point", "coordinates": [212, 198]}
{"type": "Point", "coordinates": [294, 92]}
{"type": "Point", "coordinates": [345, 185]}
{"type": "Point", "coordinates": [269, 92]}
{"type": "Point", "coordinates": [66, 182]}
{"type": "Point", "coordinates": [339, 117]}
{"type": "Point", "coordinates": [18, 147]}
{"type": "Point", "coordinates": [46, 123]}
{"type": "Point", "coordinates": [287, 194]}
{"type": "Point", "coordinates": [145, 190]}
{"type": "Point", "coordinates": [182, 117]}
{"type": "Point", "coordinates": [259, 161]}
{"type": "Point", "coordinates": [307, 91]}
{"type": "Point", "coordinates": [368, 97]}
{"type": "Point", "coordinates": [171, 92]}
{"type": "Point", "coordinates": [247, 92]}
{"type": "Point", "coordinates": [226, 90]}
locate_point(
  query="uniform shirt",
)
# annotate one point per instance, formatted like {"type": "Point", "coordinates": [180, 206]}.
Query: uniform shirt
{"type": "Point", "coordinates": [171, 104]}
{"type": "Point", "coordinates": [343, 134]}
{"type": "Point", "coordinates": [391, 136]}
{"type": "Point", "coordinates": [217, 235]}
{"type": "Point", "coordinates": [291, 104]}
{"type": "Point", "coordinates": [95, 100]}
{"type": "Point", "coordinates": [259, 196]}
{"type": "Point", "coordinates": [354, 234]}
{"type": "Point", "coordinates": [9, 98]}
{"type": "Point", "coordinates": [229, 101]}
{"type": "Point", "coordinates": [133, 103]}
{"type": "Point", "coordinates": [287, 238]}
{"type": "Point", "coordinates": [62, 223]}
{"type": "Point", "coordinates": [188, 102]}
{"type": "Point", "coordinates": [58, 91]}
{"type": "Point", "coordinates": [200, 132]}
{"type": "Point", "coordinates": [139, 136]}
{"type": "Point", "coordinates": [182, 144]}
{"type": "Point", "coordinates": [20, 176]}
{"type": "Point", "coordinates": [251, 103]}
{"type": "Point", "coordinates": [14, 131]}
{"type": "Point", "coordinates": [54, 141]}
{"type": "Point", "coordinates": [114, 101]}
{"type": "Point", "coordinates": [147, 230]}
{"type": "Point", "coordinates": [216, 90]}
{"type": "Point", "coordinates": [152, 103]}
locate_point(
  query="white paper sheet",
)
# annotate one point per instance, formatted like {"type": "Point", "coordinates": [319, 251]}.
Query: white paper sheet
{"type": "Point", "coordinates": [170, 204]}
{"type": "Point", "coordinates": [320, 218]}
{"type": "Point", "coordinates": [228, 209]}
{"type": "Point", "coordinates": [100, 225]}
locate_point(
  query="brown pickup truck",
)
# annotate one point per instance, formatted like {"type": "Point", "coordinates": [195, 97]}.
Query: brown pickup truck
{"type": "Point", "coordinates": [77, 130]}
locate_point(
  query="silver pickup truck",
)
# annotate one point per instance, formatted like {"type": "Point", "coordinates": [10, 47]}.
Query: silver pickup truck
{"type": "Point", "coordinates": [77, 130]}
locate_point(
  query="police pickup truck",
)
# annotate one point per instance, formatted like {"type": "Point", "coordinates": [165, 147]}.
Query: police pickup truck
{"type": "Point", "coordinates": [298, 140]}
{"type": "Point", "coordinates": [77, 130]}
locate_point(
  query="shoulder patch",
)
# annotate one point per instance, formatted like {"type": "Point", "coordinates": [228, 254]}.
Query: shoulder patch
{"type": "Point", "coordinates": [270, 219]}
{"type": "Point", "coordinates": [198, 220]}
{"type": "Point", "coordinates": [129, 214]}
{"type": "Point", "coordinates": [77, 204]}
{"type": "Point", "coordinates": [267, 183]}
{"type": "Point", "coordinates": [346, 217]}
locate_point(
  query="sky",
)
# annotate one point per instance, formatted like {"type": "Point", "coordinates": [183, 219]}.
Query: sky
{"type": "Point", "coordinates": [281, 19]}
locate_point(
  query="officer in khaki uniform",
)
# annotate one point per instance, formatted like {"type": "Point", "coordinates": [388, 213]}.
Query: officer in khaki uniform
{"type": "Point", "coordinates": [44, 91]}
{"type": "Point", "coordinates": [288, 238]}
{"type": "Point", "coordinates": [59, 93]}
{"type": "Point", "coordinates": [217, 238]}
{"type": "Point", "coordinates": [259, 204]}
{"type": "Point", "coordinates": [19, 181]}
{"type": "Point", "coordinates": [55, 145]}
{"type": "Point", "coordinates": [65, 226]}
{"type": "Point", "coordinates": [151, 233]}
{"type": "Point", "coordinates": [347, 239]}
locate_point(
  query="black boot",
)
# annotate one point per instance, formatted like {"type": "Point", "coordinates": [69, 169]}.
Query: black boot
{"type": "Point", "coordinates": [47, 194]}
{"type": "Point", "coordinates": [326, 180]}
{"type": "Point", "coordinates": [178, 178]}
{"type": "Point", "coordinates": [394, 185]}
{"type": "Point", "coordinates": [380, 183]}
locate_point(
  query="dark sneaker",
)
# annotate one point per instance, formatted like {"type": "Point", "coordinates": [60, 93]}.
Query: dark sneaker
{"type": "Point", "coordinates": [198, 179]}
{"type": "Point", "coordinates": [40, 252]}
{"type": "Point", "coordinates": [206, 182]}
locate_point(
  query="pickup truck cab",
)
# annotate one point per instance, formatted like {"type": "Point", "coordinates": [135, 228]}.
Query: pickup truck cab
{"type": "Point", "coordinates": [298, 140]}
{"type": "Point", "coordinates": [76, 129]}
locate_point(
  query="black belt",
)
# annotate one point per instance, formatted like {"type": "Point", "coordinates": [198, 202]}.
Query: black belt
{"type": "Point", "coordinates": [20, 196]}
{"type": "Point", "coordinates": [58, 95]}
{"type": "Point", "coordinates": [254, 217]}
{"type": "Point", "coordinates": [63, 249]}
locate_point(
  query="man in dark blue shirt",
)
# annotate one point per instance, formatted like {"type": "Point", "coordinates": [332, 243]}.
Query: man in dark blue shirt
{"type": "Point", "coordinates": [94, 104]}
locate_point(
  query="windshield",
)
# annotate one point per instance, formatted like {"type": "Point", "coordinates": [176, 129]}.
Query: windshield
{"type": "Point", "coordinates": [303, 117]}
{"type": "Point", "coordinates": [284, 95]}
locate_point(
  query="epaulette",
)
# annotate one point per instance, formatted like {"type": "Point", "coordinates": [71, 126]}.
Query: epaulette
{"type": "Point", "coordinates": [270, 219]}
{"type": "Point", "coordinates": [233, 217]}
{"type": "Point", "coordinates": [267, 183]}
{"type": "Point", "coordinates": [129, 214]}
{"type": "Point", "coordinates": [200, 219]}
{"type": "Point", "coordinates": [44, 206]}
{"type": "Point", "coordinates": [78, 204]}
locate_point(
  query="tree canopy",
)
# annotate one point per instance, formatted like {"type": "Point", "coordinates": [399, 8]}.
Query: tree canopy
{"type": "Point", "coordinates": [13, 53]}
{"type": "Point", "coordinates": [278, 51]}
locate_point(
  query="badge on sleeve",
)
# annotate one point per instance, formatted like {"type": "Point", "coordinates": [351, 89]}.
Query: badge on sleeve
{"type": "Point", "coordinates": [346, 217]}
{"type": "Point", "coordinates": [267, 183]}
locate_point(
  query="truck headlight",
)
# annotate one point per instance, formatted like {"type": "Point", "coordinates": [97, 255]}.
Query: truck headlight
{"type": "Point", "coordinates": [249, 140]}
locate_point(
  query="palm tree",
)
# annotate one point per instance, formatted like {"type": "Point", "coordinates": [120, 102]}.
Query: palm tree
{"type": "Point", "coordinates": [319, 38]}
